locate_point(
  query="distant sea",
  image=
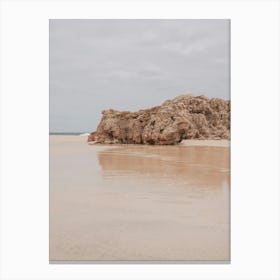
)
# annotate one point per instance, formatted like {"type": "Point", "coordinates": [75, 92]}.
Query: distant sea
{"type": "Point", "coordinates": [68, 133]}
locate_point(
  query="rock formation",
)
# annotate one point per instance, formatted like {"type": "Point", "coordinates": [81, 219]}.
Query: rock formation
{"type": "Point", "coordinates": [185, 117]}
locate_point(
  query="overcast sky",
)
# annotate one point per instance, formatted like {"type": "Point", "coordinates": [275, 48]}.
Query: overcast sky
{"type": "Point", "coordinates": [132, 64]}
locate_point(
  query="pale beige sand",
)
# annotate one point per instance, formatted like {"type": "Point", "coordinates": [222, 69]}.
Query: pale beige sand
{"type": "Point", "coordinates": [134, 202]}
{"type": "Point", "coordinates": [212, 143]}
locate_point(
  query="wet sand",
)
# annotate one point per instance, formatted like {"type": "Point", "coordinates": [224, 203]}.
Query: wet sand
{"type": "Point", "coordinates": [138, 203]}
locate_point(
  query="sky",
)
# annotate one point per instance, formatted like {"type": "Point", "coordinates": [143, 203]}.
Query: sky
{"type": "Point", "coordinates": [132, 65]}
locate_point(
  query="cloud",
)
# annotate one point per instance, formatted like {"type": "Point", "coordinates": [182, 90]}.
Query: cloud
{"type": "Point", "coordinates": [132, 64]}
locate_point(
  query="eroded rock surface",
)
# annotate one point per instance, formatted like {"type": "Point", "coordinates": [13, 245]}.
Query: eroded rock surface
{"type": "Point", "coordinates": [184, 117]}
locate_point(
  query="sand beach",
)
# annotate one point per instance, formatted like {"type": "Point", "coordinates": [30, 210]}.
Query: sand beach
{"type": "Point", "coordinates": [139, 202]}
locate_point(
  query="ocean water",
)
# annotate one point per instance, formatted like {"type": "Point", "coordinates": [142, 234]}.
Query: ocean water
{"type": "Point", "coordinates": [70, 133]}
{"type": "Point", "coordinates": [138, 203]}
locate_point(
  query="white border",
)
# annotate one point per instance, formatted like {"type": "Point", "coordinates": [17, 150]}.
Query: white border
{"type": "Point", "coordinates": [255, 137]}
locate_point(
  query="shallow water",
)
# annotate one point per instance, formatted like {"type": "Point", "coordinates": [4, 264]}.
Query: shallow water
{"type": "Point", "coordinates": [134, 202]}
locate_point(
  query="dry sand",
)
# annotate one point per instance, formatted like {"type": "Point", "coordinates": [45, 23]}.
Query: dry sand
{"type": "Point", "coordinates": [135, 202]}
{"type": "Point", "coordinates": [208, 143]}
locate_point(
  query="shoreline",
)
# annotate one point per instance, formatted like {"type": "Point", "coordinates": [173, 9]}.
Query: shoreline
{"type": "Point", "coordinates": [186, 142]}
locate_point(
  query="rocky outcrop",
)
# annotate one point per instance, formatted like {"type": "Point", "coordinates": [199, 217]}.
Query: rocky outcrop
{"type": "Point", "coordinates": [185, 117]}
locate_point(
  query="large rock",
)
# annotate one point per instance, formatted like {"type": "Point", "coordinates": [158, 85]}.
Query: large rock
{"type": "Point", "coordinates": [185, 117]}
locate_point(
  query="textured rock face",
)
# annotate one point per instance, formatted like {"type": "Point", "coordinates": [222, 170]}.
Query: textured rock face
{"type": "Point", "coordinates": [185, 117]}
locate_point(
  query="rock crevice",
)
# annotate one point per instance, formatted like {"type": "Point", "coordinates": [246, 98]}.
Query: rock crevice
{"type": "Point", "coordinates": [184, 117]}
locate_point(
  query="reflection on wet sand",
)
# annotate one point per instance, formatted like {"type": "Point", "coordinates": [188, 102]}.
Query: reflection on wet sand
{"type": "Point", "coordinates": [137, 203]}
{"type": "Point", "coordinates": [193, 166]}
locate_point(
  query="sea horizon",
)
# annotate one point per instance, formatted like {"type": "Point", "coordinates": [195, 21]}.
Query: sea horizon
{"type": "Point", "coordinates": [67, 133]}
